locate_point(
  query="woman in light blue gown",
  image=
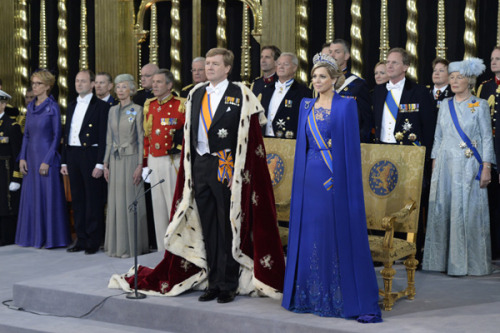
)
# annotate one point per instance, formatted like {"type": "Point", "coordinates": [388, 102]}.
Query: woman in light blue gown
{"type": "Point", "coordinates": [458, 229]}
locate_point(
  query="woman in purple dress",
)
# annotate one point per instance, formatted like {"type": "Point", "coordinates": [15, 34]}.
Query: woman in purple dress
{"type": "Point", "coordinates": [42, 218]}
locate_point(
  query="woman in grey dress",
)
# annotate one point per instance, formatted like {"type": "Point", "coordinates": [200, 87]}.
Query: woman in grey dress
{"type": "Point", "coordinates": [458, 229]}
{"type": "Point", "coordinates": [122, 170]}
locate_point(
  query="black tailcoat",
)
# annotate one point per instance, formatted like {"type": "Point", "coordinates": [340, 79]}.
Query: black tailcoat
{"type": "Point", "coordinates": [286, 120]}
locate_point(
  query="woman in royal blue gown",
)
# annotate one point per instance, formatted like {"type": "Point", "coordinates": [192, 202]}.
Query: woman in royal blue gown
{"type": "Point", "coordinates": [329, 268]}
{"type": "Point", "coordinates": [42, 218]}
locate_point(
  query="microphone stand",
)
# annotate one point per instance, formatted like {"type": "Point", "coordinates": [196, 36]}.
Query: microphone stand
{"type": "Point", "coordinates": [133, 206]}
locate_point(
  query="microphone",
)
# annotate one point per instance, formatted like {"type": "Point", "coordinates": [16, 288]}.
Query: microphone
{"type": "Point", "coordinates": [143, 179]}
{"type": "Point", "coordinates": [139, 195]}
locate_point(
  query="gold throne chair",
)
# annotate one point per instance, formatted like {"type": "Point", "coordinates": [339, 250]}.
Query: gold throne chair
{"type": "Point", "coordinates": [392, 182]}
{"type": "Point", "coordinates": [280, 159]}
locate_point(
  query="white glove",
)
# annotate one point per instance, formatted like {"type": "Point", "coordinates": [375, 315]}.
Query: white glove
{"type": "Point", "coordinates": [13, 186]}
{"type": "Point", "coordinates": [145, 174]}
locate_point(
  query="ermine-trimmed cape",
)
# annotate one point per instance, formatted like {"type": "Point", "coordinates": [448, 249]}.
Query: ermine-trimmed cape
{"type": "Point", "coordinates": [256, 242]}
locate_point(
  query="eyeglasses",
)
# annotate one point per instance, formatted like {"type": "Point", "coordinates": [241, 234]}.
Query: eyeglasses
{"type": "Point", "coordinates": [36, 83]}
{"type": "Point", "coordinates": [197, 70]}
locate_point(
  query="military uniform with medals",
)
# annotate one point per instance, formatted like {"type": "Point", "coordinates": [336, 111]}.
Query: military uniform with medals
{"type": "Point", "coordinates": [10, 146]}
{"type": "Point", "coordinates": [439, 96]}
{"type": "Point", "coordinates": [163, 134]}
{"type": "Point", "coordinates": [358, 89]}
{"type": "Point", "coordinates": [490, 91]}
{"type": "Point", "coordinates": [261, 83]}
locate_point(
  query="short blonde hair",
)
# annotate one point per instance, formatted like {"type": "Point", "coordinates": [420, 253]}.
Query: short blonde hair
{"type": "Point", "coordinates": [46, 77]}
{"type": "Point", "coordinates": [227, 56]}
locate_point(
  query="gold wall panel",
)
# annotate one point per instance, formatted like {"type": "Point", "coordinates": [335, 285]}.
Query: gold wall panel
{"type": "Point", "coordinates": [7, 43]}
{"type": "Point", "coordinates": [278, 24]}
{"type": "Point", "coordinates": [116, 51]}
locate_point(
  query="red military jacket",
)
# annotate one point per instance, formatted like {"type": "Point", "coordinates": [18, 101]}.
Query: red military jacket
{"type": "Point", "coordinates": [163, 126]}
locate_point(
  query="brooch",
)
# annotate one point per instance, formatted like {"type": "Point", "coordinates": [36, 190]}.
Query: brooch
{"type": "Point", "coordinates": [473, 105]}
{"type": "Point", "coordinates": [222, 133]}
{"type": "Point", "coordinates": [307, 104]}
{"type": "Point", "coordinates": [407, 126]}
{"type": "Point", "coordinates": [281, 124]}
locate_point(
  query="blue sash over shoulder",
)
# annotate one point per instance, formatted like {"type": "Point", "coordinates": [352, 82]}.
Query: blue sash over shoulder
{"type": "Point", "coordinates": [323, 147]}
{"type": "Point", "coordinates": [465, 138]}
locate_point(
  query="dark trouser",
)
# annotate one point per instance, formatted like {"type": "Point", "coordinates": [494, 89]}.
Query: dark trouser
{"type": "Point", "coordinates": [213, 200]}
{"type": "Point", "coordinates": [87, 194]}
{"type": "Point", "coordinates": [494, 206]}
{"type": "Point", "coordinates": [8, 229]}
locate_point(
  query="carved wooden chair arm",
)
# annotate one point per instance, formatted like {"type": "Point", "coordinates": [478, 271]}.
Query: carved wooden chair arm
{"type": "Point", "coordinates": [397, 217]}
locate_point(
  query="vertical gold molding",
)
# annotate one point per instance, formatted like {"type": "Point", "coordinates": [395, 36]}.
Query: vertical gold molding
{"type": "Point", "coordinates": [42, 57]}
{"type": "Point", "coordinates": [256, 7]}
{"type": "Point", "coordinates": [356, 39]}
{"type": "Point", "coordinates": [221, 23]}
{"type": "Point", "coordinates": [441, 31]}
{"type": "Point", "coordinates": [62, 59]}
{"type": "Point", "coordinates": [301, 41]}
{"type": "Point", "coordinates": [498, 24]}
{"type": "Point", "coordinates": [21, 79]}
{"type": "Point", "coordinates": [330, 23]}
{"type": "Point", "coordinates": [412, 38]}
{"type": "Point", "coordinates": [196, 35]}
{"type": "Point", "coordinates": [175, 43]}
{"type": "Point", "coordinates": [384, 31]}
{"type": "Point", "coordinates": [115, 50]}
{"type": "Point", "coordinates": [470, 29]}
{"type": "Point", "coordinates": [153, 36]}
{"type": "Point", "coordinates": [83, 62]}
{"type": "Point", "coordinates": [245, 47]}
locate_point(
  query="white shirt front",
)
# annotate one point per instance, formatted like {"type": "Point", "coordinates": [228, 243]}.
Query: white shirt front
{"type": "Point", "coordinates": [280, 90]}
{"type": "Point", "coordinates": [106, 98]}
{"type": "Point", "coordinates": [215, 94]}
{"type": "Point", "coordinates": [388, 121]}
{"type": "Point", "coordinates": [82, 104]}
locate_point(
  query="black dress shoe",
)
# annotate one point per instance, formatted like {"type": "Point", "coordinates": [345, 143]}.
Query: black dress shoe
{"type": "Point", "coordinates": [91, 251]}
{"type": "Point", "coordinates": [75, 248]}
{"type": "Point", "coordinates": [209, 295]}
{"type": "Point", "coordinates": [226, 296]}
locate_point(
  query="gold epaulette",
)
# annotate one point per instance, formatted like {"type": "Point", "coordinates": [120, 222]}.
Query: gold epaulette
{"type": "Point", "coordinates": [182, 106]}
{"type": "Point", "coordinates": [257, 78]}
{"type": "Point", "coordinates": [148, 122]}
{"type": "Point", "coordinates": [188, 87]}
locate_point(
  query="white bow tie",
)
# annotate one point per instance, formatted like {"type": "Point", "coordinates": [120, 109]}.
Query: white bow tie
{"type": "Point", "coordinates": [211, 90]}
{"type": "Point", "coordinates": [81, 100]}
{"type": "Point", "coordinates": [391, 86]}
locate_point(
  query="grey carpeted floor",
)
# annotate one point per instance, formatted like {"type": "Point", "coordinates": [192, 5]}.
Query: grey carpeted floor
{"type": "Point", "coordinates": [63, 284]}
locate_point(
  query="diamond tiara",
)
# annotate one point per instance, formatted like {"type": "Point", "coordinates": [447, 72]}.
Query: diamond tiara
{"type": "Point", "coordinates": [325, 59]}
